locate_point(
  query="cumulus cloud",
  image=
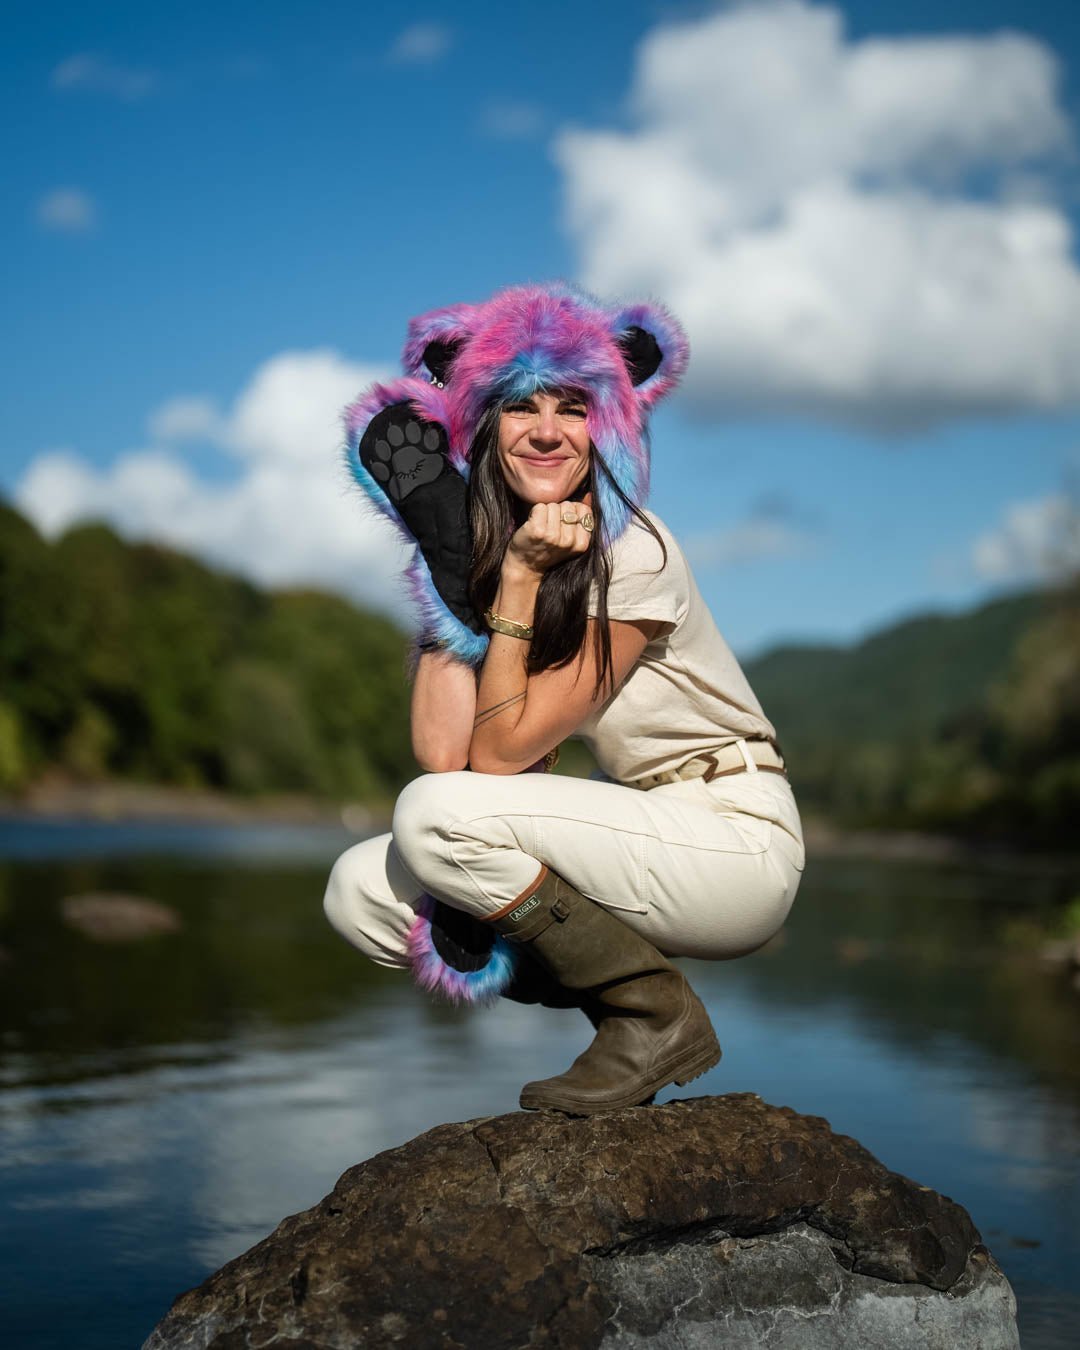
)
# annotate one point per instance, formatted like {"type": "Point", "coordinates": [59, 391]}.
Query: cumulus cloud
{"type": "Point", "coordinates": [420, 44]}
{"type": "Point", "coordinates": [805, 203]}
{"type": "Point", "coordinates": [96, 74]}
{"type": "Point", "coordinates": [287, 515]}
{"type": "Point", "coordinates": [773, 528]}
{"type": "Point", "coordinates": [1035, 540]}
{"type": "Point", "coordinates": [67, 210]}
{"type": "Point", "coordinates": [291, 407]}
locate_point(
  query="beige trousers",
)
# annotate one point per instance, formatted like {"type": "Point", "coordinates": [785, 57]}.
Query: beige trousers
{"type": "Point", "coordinates": [705, 870]}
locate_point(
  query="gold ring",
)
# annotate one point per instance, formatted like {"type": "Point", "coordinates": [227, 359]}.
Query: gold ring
{"type": "Point", "coordinates": [586, 522]}
{"type": "Point", "coordinates": [569, 520]}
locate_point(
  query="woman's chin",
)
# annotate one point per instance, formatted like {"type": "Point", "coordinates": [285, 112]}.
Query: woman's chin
{"type": "Point", "coordinates": [535, 493]}
{"type": "Point", "coordinates": [534, 496]}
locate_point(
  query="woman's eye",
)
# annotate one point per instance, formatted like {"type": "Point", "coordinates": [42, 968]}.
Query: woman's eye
{"type": "Point", "coordinates": [573, 412]}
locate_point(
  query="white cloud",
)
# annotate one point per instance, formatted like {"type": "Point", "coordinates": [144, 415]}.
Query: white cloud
{"type": "Point", "coordinates": [291, 406]}
{"type": "Point", "coordinates": [803, 203]}
{"type": "Point", "coordinates": [67, 211]}
{"type": "Point", "coordinates": [421, 44]}
{"type": "Point", "coordinates": [186, 418]}
{"type": "Point", "coordinates": [96, 74]}
{"type": "Point", "coordinates": [1035, 541]}
{"type": "Point", "coordinates": [288, 516]}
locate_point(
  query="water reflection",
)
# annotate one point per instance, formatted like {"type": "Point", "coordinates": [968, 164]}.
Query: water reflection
{"type": "Point", "coordinates": [164, 1104]}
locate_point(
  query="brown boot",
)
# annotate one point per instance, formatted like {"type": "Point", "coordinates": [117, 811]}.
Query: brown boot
{"type": "Point", "coordinates": [532, 983]}
{"type": "Point", "coordinates": [653, 1029]}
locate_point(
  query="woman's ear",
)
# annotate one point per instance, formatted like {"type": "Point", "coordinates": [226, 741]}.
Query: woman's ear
{"type": "Point", "coordinates": [655, 349]}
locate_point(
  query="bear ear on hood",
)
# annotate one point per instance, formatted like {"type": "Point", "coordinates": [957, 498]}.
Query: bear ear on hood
{"type": "Point", "coordinates": [654, 347]}
{"type": "Point", "coordinates": [434, 339]}
{"type": "Point", "coordinates": [439, 356]}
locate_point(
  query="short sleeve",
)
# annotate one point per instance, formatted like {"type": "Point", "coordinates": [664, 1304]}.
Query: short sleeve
{"type": "Point", "coordinates": [642, 585]}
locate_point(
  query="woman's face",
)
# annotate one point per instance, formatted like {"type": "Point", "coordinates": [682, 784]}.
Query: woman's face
{"type": "Point", "coordinates": [544, 446]}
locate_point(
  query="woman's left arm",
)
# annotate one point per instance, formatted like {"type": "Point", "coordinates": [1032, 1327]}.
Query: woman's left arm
{"type": "Point", "coordinates": [520, 717]}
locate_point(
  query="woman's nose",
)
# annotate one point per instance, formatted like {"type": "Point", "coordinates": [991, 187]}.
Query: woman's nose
{"type": "Point", "coordinates": [547, 429]}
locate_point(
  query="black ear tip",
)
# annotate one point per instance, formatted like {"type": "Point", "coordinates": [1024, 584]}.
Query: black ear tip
{"type": "Point", "coordinates": [641, 352]}
{"type": "Point", "coordinates": [439, 356]}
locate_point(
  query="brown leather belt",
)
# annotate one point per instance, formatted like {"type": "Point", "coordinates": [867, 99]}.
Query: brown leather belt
{"type": "Point", "coordinates": [764, 754]}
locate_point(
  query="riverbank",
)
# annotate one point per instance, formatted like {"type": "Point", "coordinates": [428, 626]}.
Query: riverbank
{"type": "Point", "coordinates": [131, 803]}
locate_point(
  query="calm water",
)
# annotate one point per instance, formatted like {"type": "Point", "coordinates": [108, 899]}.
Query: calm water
{"type": "Point", "coordinates": [163, 1104]}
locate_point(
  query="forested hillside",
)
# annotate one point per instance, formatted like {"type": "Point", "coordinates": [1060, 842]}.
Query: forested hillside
{"type": "Point", "coordinates": [128, 660]}
{"type": "Point", "coordinates": [968, 723]}
{"type": "Point", "coordinates": [131, 661]}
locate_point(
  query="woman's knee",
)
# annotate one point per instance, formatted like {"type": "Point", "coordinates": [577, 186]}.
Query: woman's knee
{"type": "Point", "coordinates": [343, 903]}
{"type": "Point", "coordinates": [422, 813]}
{"type": "Point", "coordinates": [356, 908]}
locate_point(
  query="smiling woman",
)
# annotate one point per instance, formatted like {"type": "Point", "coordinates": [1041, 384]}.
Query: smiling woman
{"type": "Point", "coordinates": [520, 470]}
{"type": "Point", "coordinates": [544, 444]}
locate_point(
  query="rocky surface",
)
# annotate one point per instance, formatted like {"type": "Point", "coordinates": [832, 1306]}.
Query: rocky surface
{"type": "Point", "coordinates": [118, 918]}
{"type": "Point", "coordinates": [716, 1221]}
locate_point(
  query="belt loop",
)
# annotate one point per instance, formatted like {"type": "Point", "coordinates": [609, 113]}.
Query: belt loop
{"type": "Point", "coordinates": [748, 759]}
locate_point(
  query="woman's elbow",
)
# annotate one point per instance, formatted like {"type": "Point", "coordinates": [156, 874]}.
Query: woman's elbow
{"type": "Point", "coordinates": [440, 762]}
{"type": "Point", "coordinates": [479, 764]}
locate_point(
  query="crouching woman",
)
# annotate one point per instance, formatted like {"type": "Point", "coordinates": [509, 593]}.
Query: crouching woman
{"type": "Point", "coordinates": [520, 470]}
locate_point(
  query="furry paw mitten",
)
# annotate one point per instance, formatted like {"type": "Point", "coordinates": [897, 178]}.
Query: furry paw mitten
{"type": "Point", "coordinates": [409, 459]}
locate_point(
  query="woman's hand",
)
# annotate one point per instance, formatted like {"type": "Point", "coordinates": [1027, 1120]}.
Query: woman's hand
{"type": "Point", "coordinates": [545, 540]}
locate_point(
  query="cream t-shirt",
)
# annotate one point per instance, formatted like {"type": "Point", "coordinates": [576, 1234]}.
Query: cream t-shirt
{"type": "Point", "coordinates": [686, 693]}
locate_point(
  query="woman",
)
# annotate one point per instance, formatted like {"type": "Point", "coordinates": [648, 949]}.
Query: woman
{"type": "Point", "coordinates": [520, 468]}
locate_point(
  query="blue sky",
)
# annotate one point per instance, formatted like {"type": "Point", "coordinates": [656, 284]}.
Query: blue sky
{"type": "Point", "coordinates": [219, 219]}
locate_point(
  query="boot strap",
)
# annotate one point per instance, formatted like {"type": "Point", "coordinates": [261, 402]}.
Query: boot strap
{"type": "Point", "coordinates": [534, 916]}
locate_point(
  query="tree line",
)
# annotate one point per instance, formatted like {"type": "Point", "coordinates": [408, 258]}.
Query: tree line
{"type": "Point", "coordinates": [133, 661]}
{"type": "Point", "coordinates": [122, 660]}
{"type": "Point", "coordinates": [966, 724]}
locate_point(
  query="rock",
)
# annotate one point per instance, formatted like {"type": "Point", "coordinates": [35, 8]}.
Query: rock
{"type": "Point", "coordinates": [118, 918]}
{"type": "Point", "coordinates": [716, 1221]}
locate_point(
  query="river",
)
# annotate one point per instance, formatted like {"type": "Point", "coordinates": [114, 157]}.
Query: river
{"type": "Point", "coordinates": [164, 1103]}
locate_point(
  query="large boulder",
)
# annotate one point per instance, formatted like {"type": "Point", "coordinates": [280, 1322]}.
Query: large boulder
{"type": "Point", "coordinates": [717, 1221]}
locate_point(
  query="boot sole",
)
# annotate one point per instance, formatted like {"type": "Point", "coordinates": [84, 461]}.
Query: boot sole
{"type": "Point", "coordinates": [681, 1069]}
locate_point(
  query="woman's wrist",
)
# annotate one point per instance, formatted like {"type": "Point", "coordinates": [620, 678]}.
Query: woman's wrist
{"type": "Point", "coordinates": [514, 572]}
{"type": "Point", "coordinates": [516, 596]}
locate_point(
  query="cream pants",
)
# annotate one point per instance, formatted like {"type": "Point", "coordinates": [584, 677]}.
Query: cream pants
{"type": "Point", "coordinates": [701, 869]}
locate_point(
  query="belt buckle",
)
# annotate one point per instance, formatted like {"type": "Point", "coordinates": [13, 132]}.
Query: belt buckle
{"type": "Point", "coordinates": [714, 766]}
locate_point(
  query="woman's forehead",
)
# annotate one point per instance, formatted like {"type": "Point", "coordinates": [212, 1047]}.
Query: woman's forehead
{"type": "Point", "coordinates": [564, 393]}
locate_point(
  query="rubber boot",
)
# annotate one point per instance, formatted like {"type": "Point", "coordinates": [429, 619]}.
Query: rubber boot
{"type": "Point", "coordinates": [533, 984]}
{"type": "Point", "coordinates": [653, 1029]}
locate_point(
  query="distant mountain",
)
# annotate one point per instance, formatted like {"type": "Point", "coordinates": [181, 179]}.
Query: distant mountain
{"type": "Point", "coordinates": [968, 723]}
{"type": "Point", "coordinates": [911, 679]}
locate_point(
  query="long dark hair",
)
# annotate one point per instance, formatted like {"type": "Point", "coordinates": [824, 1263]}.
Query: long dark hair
{"type": "Point", "coordinates": [495, 512]}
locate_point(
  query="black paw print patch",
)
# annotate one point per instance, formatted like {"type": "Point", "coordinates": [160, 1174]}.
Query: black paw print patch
{"type": "Point", "coordinates": [402, 453]}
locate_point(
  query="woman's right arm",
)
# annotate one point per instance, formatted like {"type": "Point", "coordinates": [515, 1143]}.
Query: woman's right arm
{"type": "Point", "coordinates": [442, 712]}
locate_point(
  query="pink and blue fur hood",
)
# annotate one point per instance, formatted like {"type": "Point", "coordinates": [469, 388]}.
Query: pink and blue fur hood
{"type": "Point", "coordinates": [525, 339]}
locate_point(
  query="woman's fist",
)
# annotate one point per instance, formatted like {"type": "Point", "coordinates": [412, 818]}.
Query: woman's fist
{"type": "Point", "coordinates": [552, 534]}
